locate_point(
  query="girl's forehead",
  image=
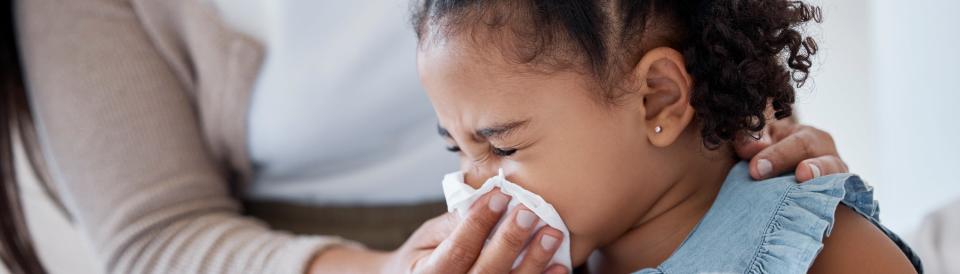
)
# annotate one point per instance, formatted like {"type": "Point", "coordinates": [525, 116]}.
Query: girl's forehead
{"type": "Point", "coordinates": [478, 73]}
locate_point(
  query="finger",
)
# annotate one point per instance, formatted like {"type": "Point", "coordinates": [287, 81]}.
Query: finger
{"type": "Point", "coordinates": [458, 253]}
{"type": "Point", "coordinates": [748, 145]}
{"type": "Point", "coordinates": [801, 144]}
{"type": "Point", "coordinates": [821, 166]}
{"type": "Point", "coordinates": [433, 231]}
{"type": "Point", "coordinates": [557, 269]}
{"type": "Point", "coordinates": [507, 242]}
{"type": "Point", "coordinates": [780, 129]}
{"type": "Point", "coordinates": [540, 251]}
{"type": "Point", "coordinates": [428, 236]}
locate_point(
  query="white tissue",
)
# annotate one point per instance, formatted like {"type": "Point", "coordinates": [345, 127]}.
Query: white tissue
{"type": "Point", "coordinates": [461, 196]}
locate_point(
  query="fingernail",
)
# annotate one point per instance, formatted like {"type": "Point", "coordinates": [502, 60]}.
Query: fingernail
{"type": "Point", "coordinates": [764, 167]}
{"type": "Point", "coordinates": [815, 170]}
{"type": "Point", "coordinates": [558, 269]}
{"type": "Point", "coordinates": [525, 219]}
{"type": "Point", "coordinates": [548, 242]}
{"type": "Point", "coordinates": [498, 202]}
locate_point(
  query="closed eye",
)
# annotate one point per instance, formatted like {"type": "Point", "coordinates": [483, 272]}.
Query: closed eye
{"type": "Point", "coordinates": [503, 152]}
{"type": "Point", "coordinates": [454, 149]}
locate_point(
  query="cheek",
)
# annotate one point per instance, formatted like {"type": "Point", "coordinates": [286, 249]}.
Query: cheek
{"type": "Point", "coordinates": [591, 196]}
{"type": "Point", "coordinates": [593, 181]}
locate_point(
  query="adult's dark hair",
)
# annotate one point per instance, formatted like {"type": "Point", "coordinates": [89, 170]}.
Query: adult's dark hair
{"type": "Point", "coordinates": [744, 55]}
{"type": "Point", "coordinates": [16, 245]}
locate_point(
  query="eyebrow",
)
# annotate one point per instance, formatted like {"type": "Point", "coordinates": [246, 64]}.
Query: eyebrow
{"type": "Point", "coordinates": [491, 132]}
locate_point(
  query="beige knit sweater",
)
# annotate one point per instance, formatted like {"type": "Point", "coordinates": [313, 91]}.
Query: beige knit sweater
{"type": "Point", "coordinates": [142, 107]}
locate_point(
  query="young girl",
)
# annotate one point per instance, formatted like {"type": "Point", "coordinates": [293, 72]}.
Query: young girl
{"type": "Point", "coordinates": [621, 114]}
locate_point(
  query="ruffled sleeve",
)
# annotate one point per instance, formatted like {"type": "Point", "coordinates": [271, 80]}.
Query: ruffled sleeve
{"type": "Point", "coordinates": [805, 216]}
{"type": "Point", "coordinates": [771, 226]}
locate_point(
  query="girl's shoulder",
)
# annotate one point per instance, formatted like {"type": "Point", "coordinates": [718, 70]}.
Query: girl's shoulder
{"type": "Point", "coordinates": [772, 226]}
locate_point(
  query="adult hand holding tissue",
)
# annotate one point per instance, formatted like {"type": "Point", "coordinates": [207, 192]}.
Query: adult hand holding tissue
{"type": "Point", "coordinates": [479, 240]}
{"type": "Point", "coordinates": [460, 197]}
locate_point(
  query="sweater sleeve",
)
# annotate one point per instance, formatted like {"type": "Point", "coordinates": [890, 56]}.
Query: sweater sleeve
{"type": "Point", "coordinates": [127, 153]}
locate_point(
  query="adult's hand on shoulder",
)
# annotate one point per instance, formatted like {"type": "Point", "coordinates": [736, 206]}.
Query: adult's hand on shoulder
{"type": "Point", "coordinates": [785, 145]}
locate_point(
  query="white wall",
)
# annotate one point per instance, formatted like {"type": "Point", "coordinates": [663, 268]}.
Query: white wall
{"type": "Point", "coordinates": [885, 89]}
{"type": "Point", "coordinates": [917, 68]}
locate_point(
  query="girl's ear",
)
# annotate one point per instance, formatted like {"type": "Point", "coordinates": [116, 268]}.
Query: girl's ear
{"type": "Point", "coordinates": [665, 87]}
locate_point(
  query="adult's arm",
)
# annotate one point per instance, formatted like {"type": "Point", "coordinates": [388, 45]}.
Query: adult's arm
{"type": "Point", "coordinates": [127, 152]}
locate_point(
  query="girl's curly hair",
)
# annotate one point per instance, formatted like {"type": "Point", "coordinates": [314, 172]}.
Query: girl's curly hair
{"type": "Point", "coordinates": [744, 55]}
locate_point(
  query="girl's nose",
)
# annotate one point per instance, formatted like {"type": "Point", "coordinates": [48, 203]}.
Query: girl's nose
{"type": "Point", "coordinates": [475, 176]}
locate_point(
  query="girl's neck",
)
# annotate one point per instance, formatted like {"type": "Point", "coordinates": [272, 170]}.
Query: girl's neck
{"type": "Point", "coordinates": [661, 230]}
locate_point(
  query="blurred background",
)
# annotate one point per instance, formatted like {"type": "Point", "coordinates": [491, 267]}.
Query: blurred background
{"type": "Point", "coordinates": [883, 88]}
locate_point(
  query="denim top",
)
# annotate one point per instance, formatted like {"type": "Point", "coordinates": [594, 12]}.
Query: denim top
{"type": "Point", "coordinates": [771, 226]}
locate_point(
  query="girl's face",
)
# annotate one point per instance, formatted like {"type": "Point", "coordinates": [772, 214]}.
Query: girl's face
{"type": "Point", "coordinates": [550, 133]}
